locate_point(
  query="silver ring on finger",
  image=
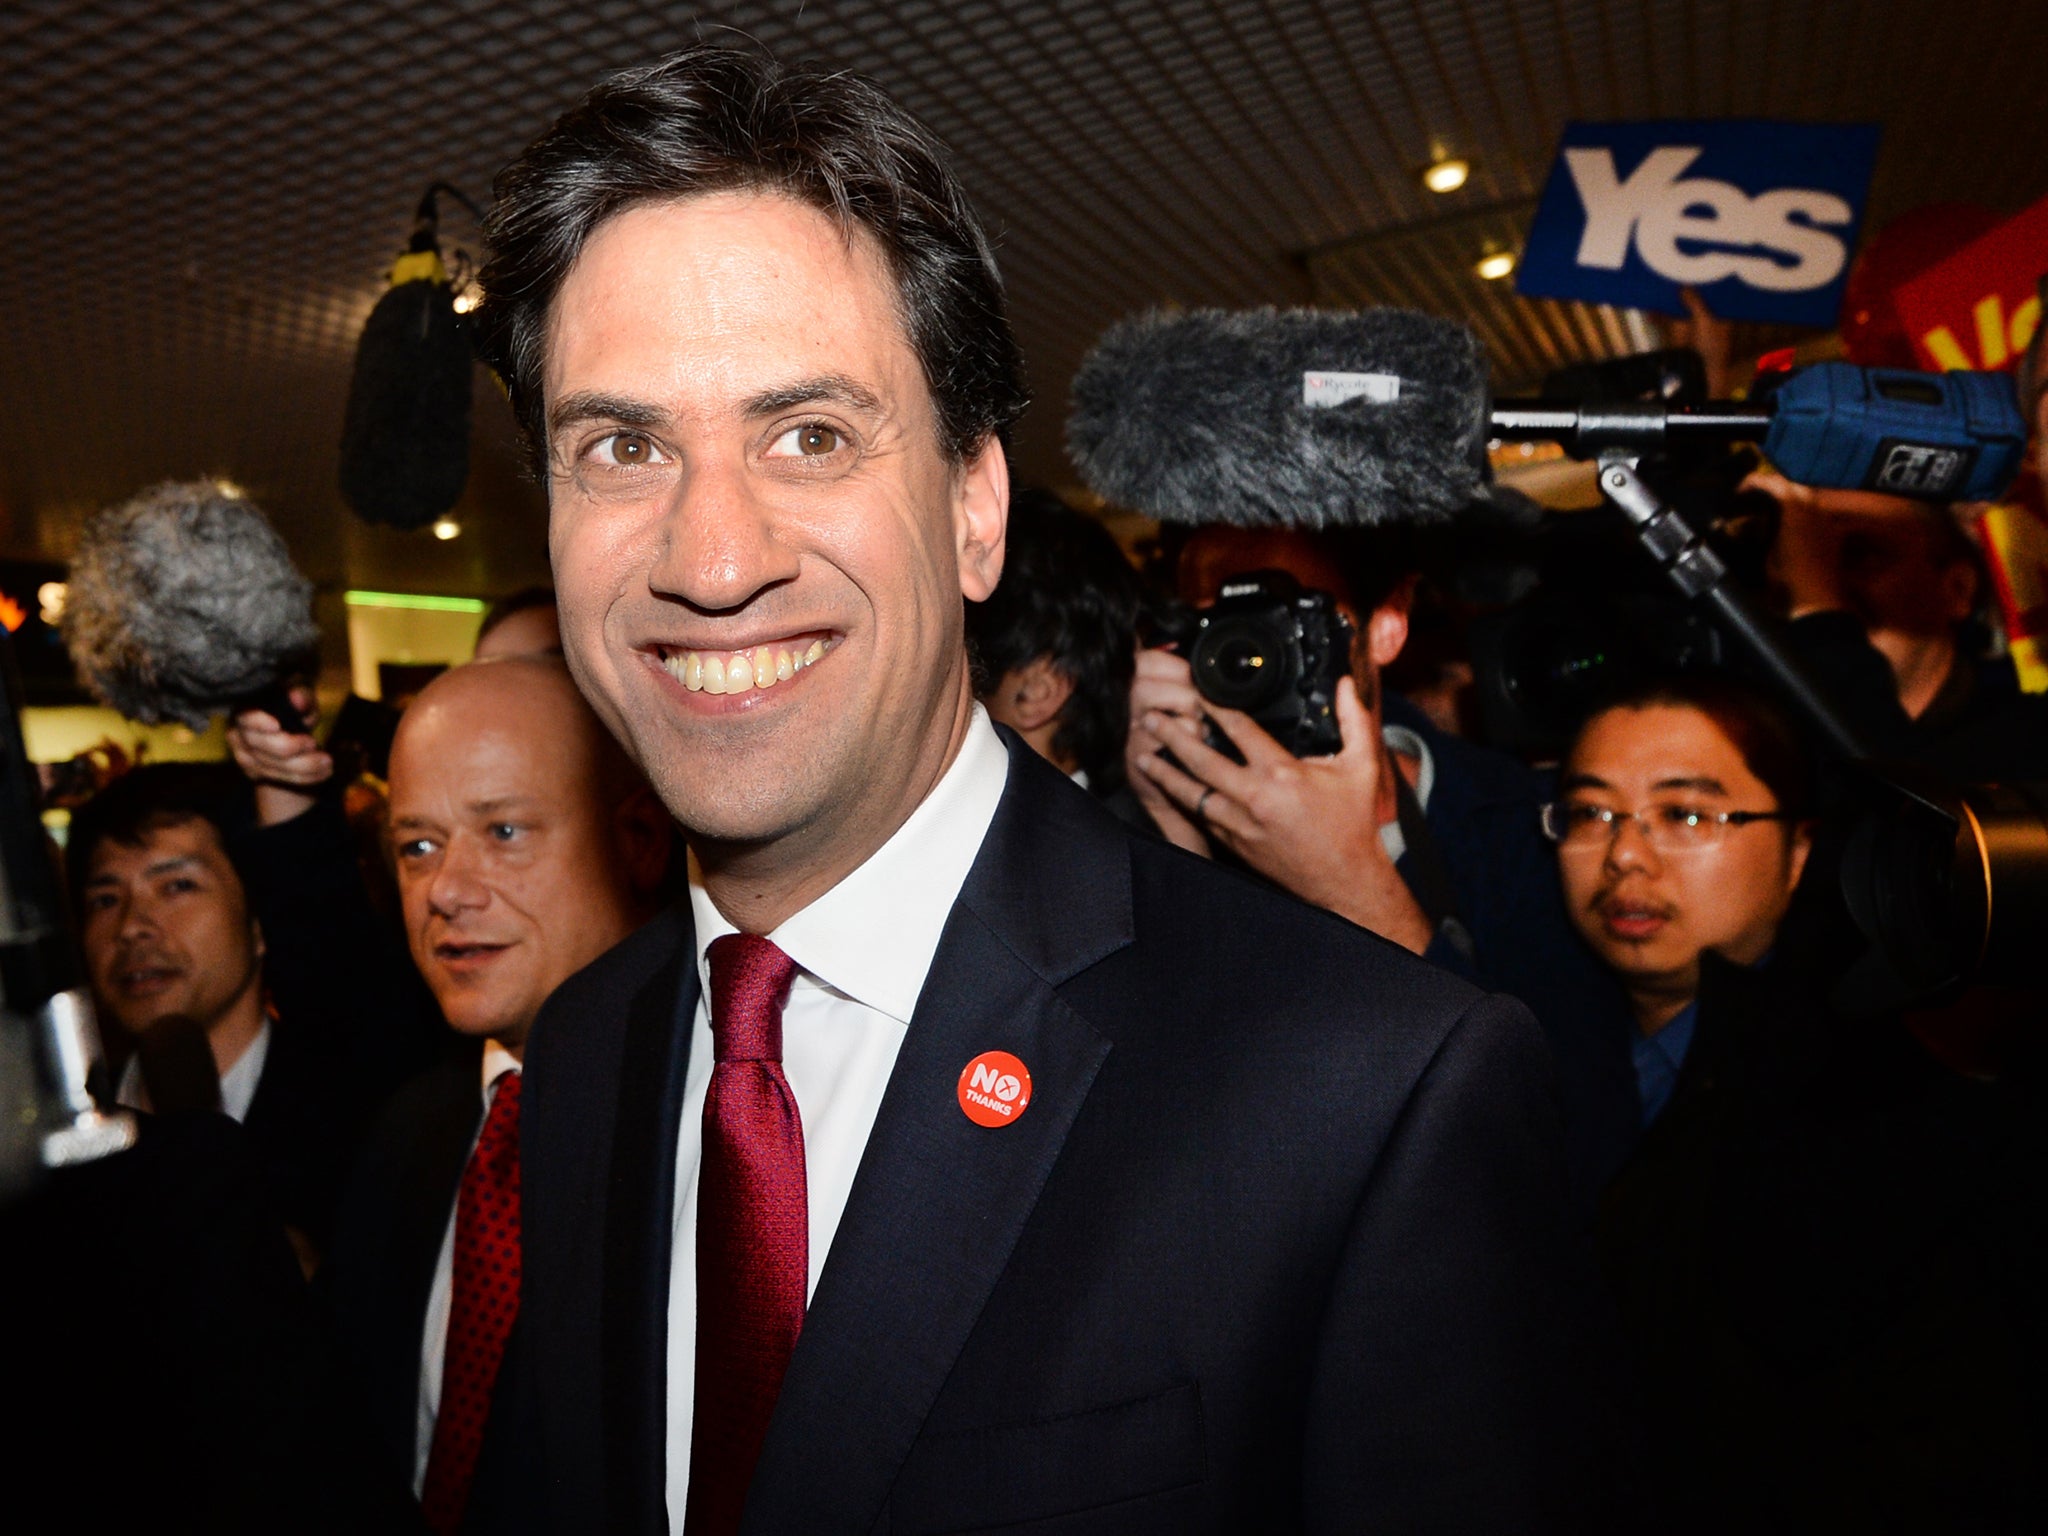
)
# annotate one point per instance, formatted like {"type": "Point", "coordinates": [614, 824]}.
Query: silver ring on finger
{"type": "Point", "coordinates": [1199, 804]}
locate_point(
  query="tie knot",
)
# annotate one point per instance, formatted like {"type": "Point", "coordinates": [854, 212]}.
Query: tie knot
{"type": "Point", "coordinates": [750, 980]}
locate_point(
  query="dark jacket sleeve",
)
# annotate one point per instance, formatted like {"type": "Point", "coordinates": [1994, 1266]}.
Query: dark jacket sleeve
{"type": "Point", "coordinates": [333, 966]}
{"type": "Point", "coordinates": [1493, 1404]}
{"type": "Point", "coordinates": [1854, 677]}
{"type": "Point", "coordinates": [160, 1341]}
{"type": "Point", "coordinates": [1484, 816]}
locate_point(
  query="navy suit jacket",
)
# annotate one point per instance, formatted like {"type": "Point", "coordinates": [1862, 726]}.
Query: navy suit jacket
{"type": "Point", "coordinates": [1278, 1243]}
{"type": "Point", "coordinates": [1483, 815]}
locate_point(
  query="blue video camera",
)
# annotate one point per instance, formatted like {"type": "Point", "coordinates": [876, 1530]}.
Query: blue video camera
{"type": "Point", "coordinates": [1937, 436]}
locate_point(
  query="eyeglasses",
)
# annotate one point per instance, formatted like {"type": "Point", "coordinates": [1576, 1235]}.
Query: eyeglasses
{"type": "Point", "coordinates": [1666, 828]}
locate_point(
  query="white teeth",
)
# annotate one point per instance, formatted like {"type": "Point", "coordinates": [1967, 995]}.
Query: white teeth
{"type": "Point", "coordinates": [739, 671]}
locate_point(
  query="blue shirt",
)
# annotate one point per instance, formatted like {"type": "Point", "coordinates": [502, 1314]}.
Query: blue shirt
{"type": "Point", "coordinates": [1659, 1058]}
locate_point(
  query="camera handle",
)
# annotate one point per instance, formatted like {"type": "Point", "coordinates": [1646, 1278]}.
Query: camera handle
{"type": "Point", "coordinates": [42, 979]}
{"type": "Point", "coordinates": [1701, 574]}
{"type": "Point", "coordinates": [83, 1132]}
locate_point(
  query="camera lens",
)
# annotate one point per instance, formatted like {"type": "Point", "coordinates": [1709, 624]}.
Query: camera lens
{"type": "Point", "coordinates": [1242, 663]}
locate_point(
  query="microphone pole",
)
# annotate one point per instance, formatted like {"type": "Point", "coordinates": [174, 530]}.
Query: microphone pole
{"type": "Point", "coordinates": [1618, 434]}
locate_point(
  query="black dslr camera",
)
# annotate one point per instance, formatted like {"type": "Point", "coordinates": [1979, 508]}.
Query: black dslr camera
{"type": "Point", "coordinates": [1270, 649]}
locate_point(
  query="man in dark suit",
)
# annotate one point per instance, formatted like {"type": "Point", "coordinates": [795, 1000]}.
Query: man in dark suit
{"type": "Point", "coordinates": [951, 1159]}
{"type": "Point", "coordinates": [525, 847]}
{"type": "Point", "coordinates": [203, 930]}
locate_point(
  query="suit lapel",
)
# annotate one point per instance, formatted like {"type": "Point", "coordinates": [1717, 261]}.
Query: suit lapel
{"type": "Point", "coordinates": [939, 1201]}
{"type": "Point", "coordinates": [639, 1225]}
{"type": "Point", "coordinates": [447, 1126]}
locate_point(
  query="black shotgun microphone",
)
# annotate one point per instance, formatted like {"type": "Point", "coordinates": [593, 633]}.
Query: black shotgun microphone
{"type": "Point", "coordinates": [183, 603]}
{"type": "Point", "coordinates": [405, 436]}
{"type": "Point", "coordinates": [1292, 418]}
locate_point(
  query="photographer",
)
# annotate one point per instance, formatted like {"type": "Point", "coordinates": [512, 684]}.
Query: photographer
{"type": "Point", "coordinates": [1052, 645]}
{"type": "Point", "coordinates": [1426, 840]}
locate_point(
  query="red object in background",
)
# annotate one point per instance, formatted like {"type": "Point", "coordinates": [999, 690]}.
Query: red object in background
{"type": "Point", "coordinates": [1978, 308]}
{"type": "Point", "coordinates": [1873, 335]}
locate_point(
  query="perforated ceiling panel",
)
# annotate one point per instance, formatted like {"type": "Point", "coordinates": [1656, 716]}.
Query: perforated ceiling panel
{"type": "Point", "coordinates": [199, 200]}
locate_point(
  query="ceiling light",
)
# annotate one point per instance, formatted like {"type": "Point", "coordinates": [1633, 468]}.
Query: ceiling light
{"type": "Point", "coordinates": [447, 528]}
{"type": "Point", "coordinates": [1495, 265]}
{"type": "Point", "coordinates": [467, 300]}
{"type": "Point", "coordinates": [1446, 175]}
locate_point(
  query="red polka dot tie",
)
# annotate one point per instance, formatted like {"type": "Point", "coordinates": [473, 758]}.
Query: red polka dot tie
{"type": "Point", "coordinates": [753, 1230]}
{"type": "Point", "coordinates": [486, 1301]}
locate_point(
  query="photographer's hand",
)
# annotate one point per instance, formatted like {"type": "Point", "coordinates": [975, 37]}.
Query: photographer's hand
{"type": "Point", "coordinates": [1311, 825]}
{"type": "Point", "coordinates": [1162, 685]}
{"type": "Point", "coordinates": [286, 767]}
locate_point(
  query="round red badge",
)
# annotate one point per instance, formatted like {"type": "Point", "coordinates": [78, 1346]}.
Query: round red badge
{"type": "Point", "coordinates": [995, 1088]}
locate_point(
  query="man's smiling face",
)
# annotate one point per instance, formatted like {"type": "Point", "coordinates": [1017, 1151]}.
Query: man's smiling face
{"type": "Point", "coordinates": [759, 546]}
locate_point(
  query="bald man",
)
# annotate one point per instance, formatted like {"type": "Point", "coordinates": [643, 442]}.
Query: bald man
{"type": "Point", "coordinates": [525, 847]}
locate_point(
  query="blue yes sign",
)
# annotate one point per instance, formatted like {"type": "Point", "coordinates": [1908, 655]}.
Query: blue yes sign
{"type": "Point", "coordinates": [1760, 217]}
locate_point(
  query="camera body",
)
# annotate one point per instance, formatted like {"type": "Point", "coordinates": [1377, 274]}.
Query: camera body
{"type": "Point", "coordinates": [1269, 648]}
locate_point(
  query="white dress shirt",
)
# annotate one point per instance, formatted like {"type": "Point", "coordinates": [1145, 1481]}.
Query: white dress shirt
{"type": "Point", "coordinates": [237, 1084]}
{"type": "Point", "coordinates": [862, 951]}
{"type": "Point", "coordinates": [441, 1296]}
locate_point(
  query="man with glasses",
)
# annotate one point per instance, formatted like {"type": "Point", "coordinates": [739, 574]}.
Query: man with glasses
{"type": "Point", "coordinates": [1679, 833]}
{"type": "Point", "coordinates": [1817, 1249]}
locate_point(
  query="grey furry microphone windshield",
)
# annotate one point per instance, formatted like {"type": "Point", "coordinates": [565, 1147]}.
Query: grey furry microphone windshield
{"type": "Point", "coordinates": [1296, 418]}
{"type": "Point", "coordinates": [183, 603]}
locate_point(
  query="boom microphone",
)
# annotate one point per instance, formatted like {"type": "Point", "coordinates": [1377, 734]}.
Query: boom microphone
{"type": "Point", "coordinates": [405, 436]}
{"type": "Point", "coordinates": [1310, 418]}
{"type": "Point", "coordinates": [1298, 418]}
{"type": "Point", "coordinates": [184, 603]}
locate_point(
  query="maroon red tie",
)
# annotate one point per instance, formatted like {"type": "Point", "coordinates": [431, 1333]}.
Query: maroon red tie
{"type": "Point", "coordinates": [753, 1230]}
{"type": "Point", "coordinates": [486, 1300]}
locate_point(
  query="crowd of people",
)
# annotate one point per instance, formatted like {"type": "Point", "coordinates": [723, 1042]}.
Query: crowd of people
{"type": "Point", "coordinates": [976, 1077]}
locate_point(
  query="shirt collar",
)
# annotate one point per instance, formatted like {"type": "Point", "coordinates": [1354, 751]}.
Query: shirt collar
{"type": "Point", "coordinates": [1399, 738]}
{"type": "Point", "coordinates": [497, 1062]}
{"type": "Point", "coordinates": [872, 936]}
{"type": "Point", "coordinates": [238, 1083]}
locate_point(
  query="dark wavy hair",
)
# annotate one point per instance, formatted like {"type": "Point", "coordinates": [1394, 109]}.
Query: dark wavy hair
{"type": "Point", "coordinates": [1771, 745]}
{"type": "Point", "coordinates": [719, 119]}
{"type": "Point", "coordinates": [144, 801]}
{"type": "Point", "coordinates": [1067, 594]}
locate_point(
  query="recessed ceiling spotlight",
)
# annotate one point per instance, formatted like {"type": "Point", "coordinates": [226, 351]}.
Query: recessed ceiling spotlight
{"type": "Point", "coordinates": [447, 528]}
{"type": "Point", "coordinates": [1495, 265]}
{"type": "Point", "coordinates": [1446, 175]}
